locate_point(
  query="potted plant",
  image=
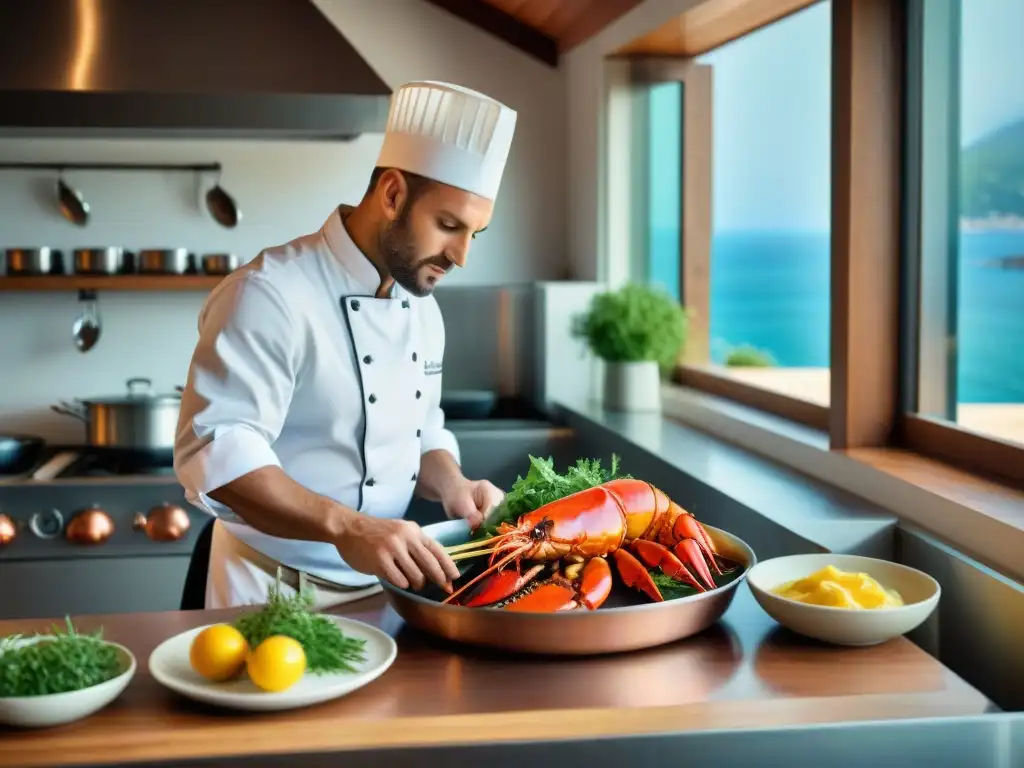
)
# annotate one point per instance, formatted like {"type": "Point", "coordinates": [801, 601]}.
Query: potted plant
{"type": "Point", "coordinates": [639, 332]}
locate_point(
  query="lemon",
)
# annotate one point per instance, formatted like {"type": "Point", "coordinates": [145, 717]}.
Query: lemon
{"type": "Point", "coordinates": [218, 653]}
{"type": "Point", "coordinates": [276, 664]}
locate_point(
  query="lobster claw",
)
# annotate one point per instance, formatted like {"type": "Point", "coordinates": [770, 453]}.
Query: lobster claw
{"type": "Point", "coordinates": [589, 590]}
{"type": "Point", "coordinates": [634, 574]}
{"type": "Point", "coordinates": [499, 586]}
{"type": "Point", "coordinates": [655, 555]}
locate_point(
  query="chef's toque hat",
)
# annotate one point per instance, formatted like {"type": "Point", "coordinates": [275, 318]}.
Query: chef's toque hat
{"type": "Point", "coordinates": [449, 134]}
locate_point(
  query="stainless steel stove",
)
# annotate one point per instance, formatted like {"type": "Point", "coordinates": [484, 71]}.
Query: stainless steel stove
{"type": "Point", "coordinates": [87, 532]}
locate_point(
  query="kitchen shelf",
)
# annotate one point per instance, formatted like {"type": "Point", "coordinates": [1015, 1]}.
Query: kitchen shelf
{"type": "Point", "coordinates": [109, 282]}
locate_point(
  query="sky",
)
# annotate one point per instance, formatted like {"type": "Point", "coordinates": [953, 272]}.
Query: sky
{"type": "Point", "coordinates": [772, 92]}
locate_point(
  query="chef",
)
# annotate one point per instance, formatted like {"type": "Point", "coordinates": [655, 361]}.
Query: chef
{"type": "Point", "coordinates": [311, 414]}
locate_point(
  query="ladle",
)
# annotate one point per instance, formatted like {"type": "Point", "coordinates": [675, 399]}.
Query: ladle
{"type": "Point", "coordinates": [87, 328]}
{"type": "Point", "coordinates": [71, 204]}
{"type": "Point", "coordinates": [222, 206]}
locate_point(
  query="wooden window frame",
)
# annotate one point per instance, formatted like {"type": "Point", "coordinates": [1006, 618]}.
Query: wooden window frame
{"type": "Point", "coordinates": [890, 319]}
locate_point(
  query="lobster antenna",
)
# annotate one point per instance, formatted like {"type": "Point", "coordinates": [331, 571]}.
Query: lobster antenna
{"type": "Point", "coordinates": [497, 566]}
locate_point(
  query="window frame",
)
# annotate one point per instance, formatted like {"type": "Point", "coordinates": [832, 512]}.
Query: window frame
{"type": "Point", "coordinates": [931, 216]}
{"type": "Point", "coordinates": [885, 309]}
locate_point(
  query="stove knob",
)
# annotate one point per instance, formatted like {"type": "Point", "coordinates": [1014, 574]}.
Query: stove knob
{"type": "Point", "coordinates": [47, 524]}
{"type": "Point", "coordinates": [8, 530]}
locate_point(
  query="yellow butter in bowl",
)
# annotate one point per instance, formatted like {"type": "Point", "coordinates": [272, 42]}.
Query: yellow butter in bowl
{"type": "Point", "coordinates": [840, 589]}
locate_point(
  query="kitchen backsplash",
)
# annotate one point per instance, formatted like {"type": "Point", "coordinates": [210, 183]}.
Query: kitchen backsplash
{"type": "Point", "coordinates": [284, 189]}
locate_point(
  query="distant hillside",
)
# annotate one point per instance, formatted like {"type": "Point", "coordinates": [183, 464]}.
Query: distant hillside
{"type": "Point", "coordinates": [992, 174]}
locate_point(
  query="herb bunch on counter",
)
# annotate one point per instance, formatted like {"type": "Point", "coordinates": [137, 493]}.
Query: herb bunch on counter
{"type": "Point", "coordinates": [57, 663]}
{"type": "Point", "coordinates": [327, 648]}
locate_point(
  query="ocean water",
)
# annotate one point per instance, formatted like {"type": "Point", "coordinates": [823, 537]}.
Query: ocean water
{"type": "Point", "coordinates": [771, 290]}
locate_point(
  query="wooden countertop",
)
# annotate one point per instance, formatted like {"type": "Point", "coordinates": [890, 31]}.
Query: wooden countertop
{"type": "Point", "coordinates": [744, 672]}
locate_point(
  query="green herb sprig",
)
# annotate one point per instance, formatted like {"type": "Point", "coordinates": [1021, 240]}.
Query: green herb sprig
{"type": "Point", "coordinates": [543, 484]}
{"type": "Point", "coordinates": [327, 648]}
{"type": "Point", "coordinates": [56, 663]}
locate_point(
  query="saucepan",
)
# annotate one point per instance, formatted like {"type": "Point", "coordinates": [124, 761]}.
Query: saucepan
{"type": "Point", "coordinates": [141, 420]}
{"type": "Point", "coordinates": [626, 622]}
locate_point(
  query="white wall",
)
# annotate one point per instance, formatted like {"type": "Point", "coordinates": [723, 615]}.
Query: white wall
{"type": "Point", "coordinates": [283, 189]}
{"type": "Point", "coordinates": [593, 254]}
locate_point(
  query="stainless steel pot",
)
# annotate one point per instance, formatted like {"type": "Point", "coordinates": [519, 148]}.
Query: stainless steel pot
{"type": "Point", "coordinates": [219, 263]}
{"type": "Point", "coordinates": [166, 261]}
{"type": "Point", "coordinates": [100, 261]}
{"type": "Point", "coordinates": [140, 420]}
{"type": "Point", "coordinates": [31, 261]}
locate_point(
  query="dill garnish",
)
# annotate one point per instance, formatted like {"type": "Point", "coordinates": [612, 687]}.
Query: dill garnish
{"type": "Point", "coordinates": [56, 663]}
{"type": "Point", "coordinates": [327, 648]}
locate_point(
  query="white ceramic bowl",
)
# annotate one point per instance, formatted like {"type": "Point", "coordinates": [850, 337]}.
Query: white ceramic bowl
{"type": "Point", "coordinates": [844, 626]}
{"type": "Point", "coordinates": [60, 708]}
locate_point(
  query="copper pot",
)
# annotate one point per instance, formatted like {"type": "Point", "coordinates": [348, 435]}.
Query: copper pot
{"type": "Point", "coordinates": [8, 530]}
{"type": "Point", "coordinates": [91, 526]}
{"type": "Point", "coordinates": [167, 522]}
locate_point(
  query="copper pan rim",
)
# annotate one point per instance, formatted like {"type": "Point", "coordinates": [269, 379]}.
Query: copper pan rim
{"type": "Point", "coordinates": [607, 630]}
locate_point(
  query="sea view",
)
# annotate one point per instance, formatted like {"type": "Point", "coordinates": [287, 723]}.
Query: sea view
{"type": "Point", "coordinates": [771, 290]}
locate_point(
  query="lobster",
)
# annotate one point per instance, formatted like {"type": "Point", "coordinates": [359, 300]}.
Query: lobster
{"type": "Point", "coordinates": [632, 521]}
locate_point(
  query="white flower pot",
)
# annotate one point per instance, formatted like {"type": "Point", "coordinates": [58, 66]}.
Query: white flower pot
{"type": "Point", "coordinates": [632, 387]}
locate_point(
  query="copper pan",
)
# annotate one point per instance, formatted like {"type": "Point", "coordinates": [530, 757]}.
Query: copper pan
{"type": "Point", "coordinates": [610, 629]}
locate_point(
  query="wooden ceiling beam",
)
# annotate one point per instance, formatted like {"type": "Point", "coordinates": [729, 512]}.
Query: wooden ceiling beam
{"type": "Point", "coordinates": [503, 26]}
{"type": "Point", "coordinates": [592, 20]}
{"type": "Point", "coordinates": [711, 24]}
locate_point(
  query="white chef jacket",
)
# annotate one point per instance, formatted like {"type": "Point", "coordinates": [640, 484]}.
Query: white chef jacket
{"type": "Point", "coordinates": [299, 366]}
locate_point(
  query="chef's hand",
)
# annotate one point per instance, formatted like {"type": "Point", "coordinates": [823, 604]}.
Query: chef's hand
{"type": "Point", "coordinates": [396, 550]}
{"type": "Point", "coordinates": [472, 501]}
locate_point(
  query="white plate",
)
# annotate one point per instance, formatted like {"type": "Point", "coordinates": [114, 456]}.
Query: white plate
{"type": "Point", "coordinates": [169, 664]}
{"type": "Point", "coordinates": [61, 708]}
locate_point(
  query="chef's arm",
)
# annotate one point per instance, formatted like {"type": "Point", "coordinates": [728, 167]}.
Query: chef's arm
{"type": "Point", "coordinates": [240, 386]}
{"type": "Point", "coordinates": [274, 504]}
{"type": "Point", "coordinates": [439, 473]}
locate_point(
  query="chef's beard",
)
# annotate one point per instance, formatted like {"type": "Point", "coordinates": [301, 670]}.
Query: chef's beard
{"type": "Point", "coordinates": [405, 264]}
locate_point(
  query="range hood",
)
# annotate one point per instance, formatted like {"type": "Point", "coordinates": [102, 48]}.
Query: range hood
{"type": "Point", "coordinates": [247, 69]}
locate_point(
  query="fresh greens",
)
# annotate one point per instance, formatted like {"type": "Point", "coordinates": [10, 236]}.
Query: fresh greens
{"type": "Point", "coordinates": [633, 324]}
{"type": "Point", "coordinates": [327, 648]}
{"type": "Point", "coordinates": [543, 484]}
{"type": "Point", "coordinates": [56, 663]}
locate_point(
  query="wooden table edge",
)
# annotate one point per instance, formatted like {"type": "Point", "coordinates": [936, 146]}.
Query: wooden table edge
{"type": "Point", "coordinates": [216, 739]}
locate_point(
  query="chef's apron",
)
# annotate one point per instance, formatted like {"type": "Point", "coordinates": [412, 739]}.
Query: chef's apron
{"type": "Point", "coordinates": [385, 336]}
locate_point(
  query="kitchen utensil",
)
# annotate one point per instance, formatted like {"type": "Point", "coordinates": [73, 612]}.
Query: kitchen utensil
{"type": "Point", "coordinates": [844, 626]}
{"type": "Point", "coordinates": [31, 261]}
{"type": "Point", "coordinates": [87, 328]}
{"type": "Point", "coordinates": [139, 421]}
{"type": "Point", "coordinates": [624, 623]}
{"type": "Point", "coordinates": [107, 260]}
{"type": "Point", "coordinates": [468, 403]}
{"type": "Point", "coordinates": [219, 263]}
{"type": "Point", "coordinates": [71, 205]}
{"type": "Point", "coordinates": [20, 453]}
{"type": "Point", "coordinates": [165, 261]}
{"type": "Point", "coordinates": [222, 206]}
{"type": "Point", "coordinates": [61, 708]}
{"type": "Point", "coordinates": [169, 665]}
